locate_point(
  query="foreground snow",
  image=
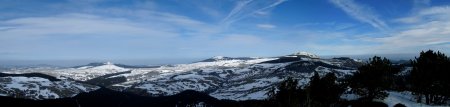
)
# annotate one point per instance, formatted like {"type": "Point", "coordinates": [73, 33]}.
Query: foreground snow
{"type": "Point", "coordinates": [405, 98]}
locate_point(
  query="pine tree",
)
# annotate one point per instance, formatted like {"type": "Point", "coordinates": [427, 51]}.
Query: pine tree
{"type": "Point", "coordinates": [373, 78]}
{"type": "Point", "coordinates": [287, 94]}
{"type": "Point", "coordinates": [322, 92]}
{"type": "Point", "coordinates": [430, 77]}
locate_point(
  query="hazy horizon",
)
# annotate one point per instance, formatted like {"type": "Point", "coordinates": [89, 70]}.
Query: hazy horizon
{"type": "Point", "coordinates": [156, 62]}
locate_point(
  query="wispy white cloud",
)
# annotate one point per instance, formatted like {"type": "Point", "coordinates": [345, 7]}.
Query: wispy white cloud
{"type": "Point", "coordinates": [428, 28]}
{"type": "Point", "coordinates": [142, 30]}
{"type": "Point", "coordinates": [436, 10]}
{"type": "Point", "coordinates": [427, 14]}
{"type": "Point", "coordinates": [94, 36]}
{"type": "Point", "coordinates": [432, 33]}
{"type": "Point", "coordinates": [361, 12]}
{"type": "Point", "coordinates": [407, 20]}
{"type": "Point", "coordinates": [266, 26]}
{"type": "Point", "coordinates": [246, 8]}
{"type": "Point", "coordinates": [163, 24]}
{"type": "Point", "coordinates": [331, 26]}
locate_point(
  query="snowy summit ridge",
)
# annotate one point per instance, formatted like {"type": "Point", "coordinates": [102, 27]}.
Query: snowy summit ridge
{"type": "Point", "coordinates": [108, 63]}
{"type": "Point", "coordinates": [307, 54]}
{"type": "Point", "coordinates": [218, 57]}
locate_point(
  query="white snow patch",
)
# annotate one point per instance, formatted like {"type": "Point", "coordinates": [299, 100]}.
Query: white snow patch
{"type": "Point", "coordinates": [305, 54]}
{"type": "Point", "coordinates": [405, 98]}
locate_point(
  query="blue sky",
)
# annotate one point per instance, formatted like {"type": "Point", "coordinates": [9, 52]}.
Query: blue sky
{"type": "Point", "coordinates": [161, 29]}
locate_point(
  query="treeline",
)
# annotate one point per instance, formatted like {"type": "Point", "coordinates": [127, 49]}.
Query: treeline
{"type": "Point", "coordinates": [428, 80]}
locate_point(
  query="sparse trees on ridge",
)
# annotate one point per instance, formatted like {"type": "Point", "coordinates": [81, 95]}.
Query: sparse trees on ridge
{"type": "Point", "coordinates": [429, 80]}
{"type": "Point", "coordinates": [320, 92]}
{"type": "Point", "coordinates": [371, 80]}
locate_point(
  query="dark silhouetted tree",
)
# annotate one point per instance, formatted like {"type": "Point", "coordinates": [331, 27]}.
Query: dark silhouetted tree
{"type": "Point", "coordinates": [287, 94]}
{"type": "Point", "coordinates": [430, 77]}
{"type": "Point", "coordinates": [372, 79]}
{"type": "Point", "coordinates": [323, 92]}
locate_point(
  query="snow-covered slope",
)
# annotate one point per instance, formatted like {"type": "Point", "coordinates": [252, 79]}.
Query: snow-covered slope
{"type": "Point", "coordinates": [222, 77]}
{"type": "Point", "coordinates": [233, 78]}
{"type": "Point", "coordinates": [85, 73]}
{"type": "Point", "coordinates": [41, 88]}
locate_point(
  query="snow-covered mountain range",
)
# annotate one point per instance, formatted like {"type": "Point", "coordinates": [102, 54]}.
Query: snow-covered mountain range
{"type": "Point", "coordinates": [222, 77]}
